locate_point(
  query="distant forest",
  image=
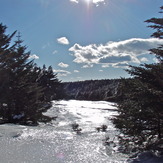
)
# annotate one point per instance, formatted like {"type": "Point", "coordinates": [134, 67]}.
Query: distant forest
{"type": "Point", "coordinates": [106, 90]}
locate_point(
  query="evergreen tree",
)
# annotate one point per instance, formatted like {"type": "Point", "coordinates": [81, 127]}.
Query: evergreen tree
{"type": "Point", "coordinates": [21, 94]}
{"type": "Point", "coordinates": [5, 49]}
{"type": "Point", "coordinates": [52, 86]}
{"type": "Point", "coordinates": [140, 117]}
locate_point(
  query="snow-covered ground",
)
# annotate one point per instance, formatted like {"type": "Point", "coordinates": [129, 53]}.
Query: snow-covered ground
{"type": "Point", "coordinates": [56, 142]}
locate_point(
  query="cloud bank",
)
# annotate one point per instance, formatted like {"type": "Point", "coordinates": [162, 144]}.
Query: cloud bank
{"type": "Point", "coordinates": [115, 54]}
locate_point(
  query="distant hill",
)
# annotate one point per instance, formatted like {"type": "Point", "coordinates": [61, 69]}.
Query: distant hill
{"type": "Point", "coordinates": [94, 90]}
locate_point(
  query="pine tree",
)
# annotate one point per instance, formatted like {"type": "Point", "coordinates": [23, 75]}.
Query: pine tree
{"type": "Point", "coordinates": [48, 80]}
{"type": "Point", "coordinates": [20, 91]}
{"type": "Point", "coordinates": [5, 49]}
{"type": "Point", "coordinates": [140, 117]}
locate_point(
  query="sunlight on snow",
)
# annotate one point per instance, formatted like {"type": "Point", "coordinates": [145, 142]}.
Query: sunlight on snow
{"type": "Point", "coordinates": [57, 141]}
{"type": "Point", "coordinates": [89, 112]}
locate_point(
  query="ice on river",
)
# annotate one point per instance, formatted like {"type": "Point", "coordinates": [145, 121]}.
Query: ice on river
{"type": "Point", "coordinates": [56, 142]}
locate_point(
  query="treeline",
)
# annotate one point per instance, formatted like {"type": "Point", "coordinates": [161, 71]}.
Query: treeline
{"type": "Point", "coordinates": [26, 90]}
{"type": "Point", "coordinates": [94, 90]}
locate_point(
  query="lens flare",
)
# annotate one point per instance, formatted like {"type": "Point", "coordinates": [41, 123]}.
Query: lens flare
{"type": "Point", "coordinates": [88, 2]}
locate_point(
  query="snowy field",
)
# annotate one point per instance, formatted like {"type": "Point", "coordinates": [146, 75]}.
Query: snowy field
{"type": "Point", "coordinates": [57, 142]}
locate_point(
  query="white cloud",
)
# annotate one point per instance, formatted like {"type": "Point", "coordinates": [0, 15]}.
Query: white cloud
{"type": "Point", "coordinates": [61, 72]}
{"type": "Point", "coordinates": [75, 1]}
{"type": "Point", "coordinates": [116, 65]}
{"type": "Point", "coordinates": [63, 65]}
{"type": "Point", "coordinates": [105, 65]}
{"type": "Point", "coordinates": [76, 71]}
{"type": "Point", "coordinates": [33, 56]}
{"type": "Point", "coordinates": [120, 65]}
{"type": "Point", "coordinates": [85, 54]}
{"type": "Point", "coordinates": [144, 59]}
{"type": "Point", "coordinates": [63, 40]}
{"type": "Point", "coordinates": [100, 70]}
{"type": "Point", "coordinates": [114, 53]}
{"type": "Point", "coordinates": [87, 66]}
{"type": "Point", "coordinates": [97, 2]}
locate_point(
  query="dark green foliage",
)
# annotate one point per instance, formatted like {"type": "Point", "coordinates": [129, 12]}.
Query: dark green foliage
{"type": "Point", "coordinates": [76, 128]}
{"type": "Point", "coordinates": [92, 90]}
{"type": "Point", "coordinates": [157, 24]}
{"type": "Point", "coordinates": [24, 88]}
{"type": "Point", "coordinates": [48, 80]}
{"type": "Point", "coordinates": [140, 117]}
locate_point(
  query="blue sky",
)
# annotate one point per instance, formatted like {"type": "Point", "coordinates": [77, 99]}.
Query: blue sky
{"type": "Point", "coordinates": [84, 39]}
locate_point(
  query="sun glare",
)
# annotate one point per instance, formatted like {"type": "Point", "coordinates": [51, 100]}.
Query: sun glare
{"type": "Point", "coordinates": [88, 1]}
{"type": "Point", "coordinates": [95, 2]}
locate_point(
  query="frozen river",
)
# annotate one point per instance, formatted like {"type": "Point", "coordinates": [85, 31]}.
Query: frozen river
{"type": "Point", "coordinates": [57, 142]}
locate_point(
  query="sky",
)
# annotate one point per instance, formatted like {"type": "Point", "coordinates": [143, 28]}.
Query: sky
{"type": "Point", "coordinates": [84, 39]}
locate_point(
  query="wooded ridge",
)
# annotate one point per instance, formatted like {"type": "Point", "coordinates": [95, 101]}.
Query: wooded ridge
{"type": "Point", "coordinates": [106, 90]}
